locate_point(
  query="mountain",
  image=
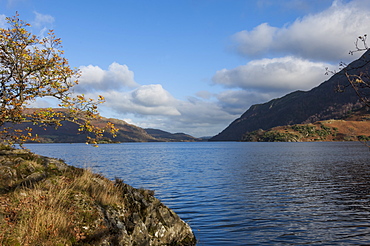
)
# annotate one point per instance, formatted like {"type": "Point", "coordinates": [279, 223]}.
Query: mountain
{"type": "Point", "coordinates": [323, 102]}
{"type": "Point", "coordinates": [68, 132]}
{"type": "Point", "coordinates": [170, 137]}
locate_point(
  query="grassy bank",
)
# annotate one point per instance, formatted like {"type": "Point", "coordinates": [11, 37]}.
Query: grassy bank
{"type": "Point", "coordinates": [43, 201]}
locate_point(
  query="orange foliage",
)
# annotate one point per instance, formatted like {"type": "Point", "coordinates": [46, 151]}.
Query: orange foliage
{"type": "Point", "coordinates": [32, 68]}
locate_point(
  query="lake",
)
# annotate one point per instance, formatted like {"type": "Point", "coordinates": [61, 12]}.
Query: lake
{"type": "Point", "coordinates": [238, 193]}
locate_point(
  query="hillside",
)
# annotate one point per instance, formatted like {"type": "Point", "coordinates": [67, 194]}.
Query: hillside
{"type": "Point", "coordinates": [353, 128]}
{"type": "Point", "coordinates": [323, 102]}
{"type": "Point", "coordinates": [170, 137]}
{"type": "Point", "coordinates": [68, 132]}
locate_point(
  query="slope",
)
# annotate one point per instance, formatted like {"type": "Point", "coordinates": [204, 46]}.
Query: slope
{"type": "Point", "coordinates": [68, 132]}
{"type": "Point", "coordinates": [301, 107]}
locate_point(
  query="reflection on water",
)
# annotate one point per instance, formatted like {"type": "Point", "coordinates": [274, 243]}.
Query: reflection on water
{"type": "Point", "coordinates": [246, 193]}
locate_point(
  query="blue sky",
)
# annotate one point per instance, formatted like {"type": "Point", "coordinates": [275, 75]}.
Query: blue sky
{"type": "Point", "coordinates": [194, 66]}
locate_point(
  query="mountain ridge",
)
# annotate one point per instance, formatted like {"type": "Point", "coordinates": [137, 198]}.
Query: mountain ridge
{"type": "Point", "coordinates": [170, 137]}
{"type": "Point", "coordinates": [68, 132]}
{"type": "Point", "coordinates": [322, 102]}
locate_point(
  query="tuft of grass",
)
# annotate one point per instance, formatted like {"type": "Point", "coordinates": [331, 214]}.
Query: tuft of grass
{"type": "Point", "coordinates": [61, 210]}
{"type": "Point", "coordinates": [98, 187]}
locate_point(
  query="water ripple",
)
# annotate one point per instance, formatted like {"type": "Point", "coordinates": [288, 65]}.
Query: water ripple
{"type": "Point", "coordinates": [246, 193]}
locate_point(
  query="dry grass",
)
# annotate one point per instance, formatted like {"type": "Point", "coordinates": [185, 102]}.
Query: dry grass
{"type": "Point", "coordinates": [61, 210]}
{"type": "Point", "coordinates": [102, 190]}
{"type": "Point", "coordinates": [43, 201]}
{"type": "Point", "coordinates": [344, 130]}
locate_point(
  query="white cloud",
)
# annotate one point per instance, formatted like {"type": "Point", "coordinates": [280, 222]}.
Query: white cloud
{"type": "Point", "coordinates": [43, 23]}
{"type": "Point", "coordinates": [198, 118]}
{"type": "Point", "coordinates": [327, 35]}
{"type": "Point", "coordinates": [254, 43]}
{"type": "Point", "coordinates": [42, 19]}
{"type": "Point", "coordinates": [117, 77]}
{"type": "Point", "coordinates": [145, 100]}
{"type": "Point", "coordinates": [152, 96]}
{"type": "Point", "coordinates": [278, 74]}
{"type": "Point", "coordinates": [3, 21]}
{"type": "Point", "coordinates": [199, 111]}
{"type": "Point", "coordinates": [204, 94]}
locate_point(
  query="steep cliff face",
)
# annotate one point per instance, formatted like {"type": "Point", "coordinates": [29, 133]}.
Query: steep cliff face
{"type": "Point", "coordinates": [43, 201]}
{"type": "Point", "coordinates": [321, 103]}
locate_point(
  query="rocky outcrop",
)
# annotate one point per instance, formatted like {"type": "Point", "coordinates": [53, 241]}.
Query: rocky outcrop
{"type": "Point", "coordinates": [44, 201]}
{"type": "Point", "coordinates": [146, 221]}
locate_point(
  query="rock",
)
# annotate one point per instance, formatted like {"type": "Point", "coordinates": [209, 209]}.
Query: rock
{"type": "Point", "coordinates": [54, 163]}
{"type": "Point", "coordinates": [149, 222]}
{"type": "Point", "coordinates": [31, 179]}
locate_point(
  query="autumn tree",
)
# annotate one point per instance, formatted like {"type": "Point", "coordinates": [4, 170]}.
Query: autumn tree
{"type": "Point", "coordinates": [31, 68]}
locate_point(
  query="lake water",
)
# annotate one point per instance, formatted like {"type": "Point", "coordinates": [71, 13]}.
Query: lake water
{"type": "Point", "coordinates": [234, 193]}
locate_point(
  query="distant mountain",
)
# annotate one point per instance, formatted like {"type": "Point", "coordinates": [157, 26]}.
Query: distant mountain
{"type": "Point", "coordinates": [170, 137]}
{"type": "Point", "coordinates": [323, 102]}
{"type": "Point", "coordinates": [68, 132]}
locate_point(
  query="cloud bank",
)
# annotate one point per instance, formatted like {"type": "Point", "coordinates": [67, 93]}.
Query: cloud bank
{"type": "Point", "coordinates": [278, 74]}
{"type": "Point", "coordinates": [145, 100]}
{"type": "Point", "coordinates": [152, 106]}
{"type": "Point", "coordinates": [123, 94]}
{"type": "Point", "coordinates": [325, 36]}
{"type": "Point", "coordinates": [117, 77]}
